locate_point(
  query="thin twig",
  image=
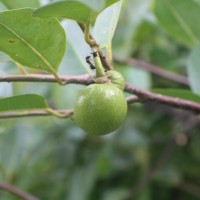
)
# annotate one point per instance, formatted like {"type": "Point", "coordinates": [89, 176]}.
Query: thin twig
{"type": "Point", "coordinates": [81, 79]}
{"type": "Point", "coordinates": [154, 70]}
{"type": "Point", "coordinates": [17, 192]}
{"type": "Point", "coordinates": [34, 113]}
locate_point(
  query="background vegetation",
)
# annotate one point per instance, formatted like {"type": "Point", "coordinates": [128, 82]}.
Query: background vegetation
{"type": "Point", "coordinates": [155, 153]}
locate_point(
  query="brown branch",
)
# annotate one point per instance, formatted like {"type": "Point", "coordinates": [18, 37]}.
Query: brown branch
{"type": "Point", "coordinates": [144, 96]}
{"type": "Point", "coordinates": [34, 113]}
{"type": "Point", "coordinates": [81, 79]}
{"type": "Point", "coordinates": [17, 192]}
{"type": "Point", "coordinates": [154, 70]}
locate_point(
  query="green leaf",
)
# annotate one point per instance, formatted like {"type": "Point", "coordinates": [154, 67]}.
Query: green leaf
{"type": "Point", "coordinates": [94, 5]}
{"type": "Point", "coordinates": [76, 52]}
{"type": "Point", "coordinates": [106, 23]}
{"type": "Point", "coordinates": [179, 19]}
{"type": "Point", "coordinates": [193, 69]}
{"type": "Point", "coordinates": [32, 42]}
{"type": "Point", "coordinates": [110, 2]}
{"type": "Point", "coordinates": [13, 4]}
{"type": "Point", "coordinates": [179, 93]}
{"type": "Point", "coordinates": [66, 9]}
{"type": "Point", "coordinates": [22, 102]}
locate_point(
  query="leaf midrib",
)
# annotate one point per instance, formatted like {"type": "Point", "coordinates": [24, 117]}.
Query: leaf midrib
{"type": "Point", "coordinates": [30, 46]}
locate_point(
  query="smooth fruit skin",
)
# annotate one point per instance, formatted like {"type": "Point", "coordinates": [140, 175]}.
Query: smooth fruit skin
{"type": "Point", "coordinates": [100, 109]}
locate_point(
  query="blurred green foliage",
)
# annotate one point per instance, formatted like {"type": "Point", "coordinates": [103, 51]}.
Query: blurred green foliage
{"type": "Point", "coordinates": [54, 159]}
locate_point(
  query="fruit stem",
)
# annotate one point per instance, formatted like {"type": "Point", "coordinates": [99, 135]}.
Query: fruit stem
{"type": "Point", "coordinates": [57, 114]}
{"type": "Point", "coordinates": [100, 71]}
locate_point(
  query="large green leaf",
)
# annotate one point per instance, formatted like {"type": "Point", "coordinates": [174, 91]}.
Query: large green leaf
{"type": "Point", "coordinates": [32, 42]}
{"type": "Point", "coordinates": [66, 9]}
{"type": "Point", "coordinates": [179, 93]}
{"type": "Point", "coordinates": [180, 19]}
{"type": "Point", "coordinates": [194, 69]}
{"type": "Point", "coordinates": [22, 102]}
{"type": "Point", "coordinates": [13, 4]}
{"type": "Point", "coordinates": [106, 23]}
{"type": "Point", "coordinates": [76, 52]}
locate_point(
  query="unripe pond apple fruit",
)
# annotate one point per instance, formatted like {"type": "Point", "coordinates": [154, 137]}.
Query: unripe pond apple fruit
{"type": "Point", "coordinates": [100, 109]}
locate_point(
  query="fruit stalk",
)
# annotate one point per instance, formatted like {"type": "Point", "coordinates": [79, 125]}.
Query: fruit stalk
{"type": "Point", "coordinates": [100, 71]}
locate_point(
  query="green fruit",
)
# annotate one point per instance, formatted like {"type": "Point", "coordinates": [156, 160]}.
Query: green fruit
{"type": "Point", "coordinates": [116, 78]}
{"type": "Point", "coordinates": [100, 109]}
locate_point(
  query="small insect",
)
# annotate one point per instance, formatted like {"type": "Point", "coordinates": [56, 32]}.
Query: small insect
{"type": "Point", "coordinates": [88, 58]}
{"type": "Point", "coordinates": [94, 54]}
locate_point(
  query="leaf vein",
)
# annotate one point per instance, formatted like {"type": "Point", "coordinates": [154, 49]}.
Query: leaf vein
{"type": "Point", "coordinates": [30, 46]}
